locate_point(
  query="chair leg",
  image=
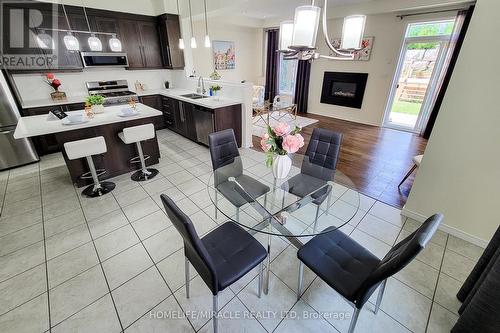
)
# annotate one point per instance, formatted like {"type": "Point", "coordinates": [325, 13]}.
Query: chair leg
{"type": "Point", "coordinates": [186, 271]}
{"type": "Point", "coordinates": [329, 202]}
{"type": "Point", "coordinates": [299, 282]}
{"type": "Point", "coordinates": [283, 199]}
{"type": "Point", "coordinates": [408, 175]}
{"type": "Point", "coordinates": [268, 268]}
{"type": "Point", "coordinates": [316, 219]}
{"type": "Point", "coordinates": [238, 214]}
{"type": "Point", "coordinates": [379, 297]}
{"type": "Point", "coordinates": [215, 313]}
{"type": "Point", "coordinates": [261, 272]}
{"type": "Point", "coordinates": [354, 320]}
{"type": "Point", "coordinates": [216, 201]}
{"type": "Point", "coordinates": [265, 200]}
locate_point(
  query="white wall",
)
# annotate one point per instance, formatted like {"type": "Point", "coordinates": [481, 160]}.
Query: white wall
{"type": "Point", "coordinates": [248, 46]}
{"type": "Point", "coordinates": [388, 32]}
{"type": "Point", "coordinates": [32, 86]}
{"type": "Point", "coordinates": [460, 171]}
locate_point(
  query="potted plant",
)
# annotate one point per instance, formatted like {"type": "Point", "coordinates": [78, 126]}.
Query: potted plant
{"type": "Point", "coordinates": [214, 90]}
{"type": "Point", "coordinates": [96, 102]}
{"type": "Point", "coordinates": [278, 142]}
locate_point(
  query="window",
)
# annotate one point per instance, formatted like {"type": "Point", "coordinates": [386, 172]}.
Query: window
{"type": "Point", "coordinates": [287, 76]}
{"type": "Point", "coordinates": [428, 29]}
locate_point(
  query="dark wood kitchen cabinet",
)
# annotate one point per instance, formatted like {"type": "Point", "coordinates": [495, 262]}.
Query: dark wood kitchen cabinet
{"type": "Point", "coordinates": [106, 24]}
{"type": "Point", "coordinates": [170, 33]}
{"type": "Point", "coordinates": [154, 101]}
{"type": "Point", "coordinates": [141, 41]}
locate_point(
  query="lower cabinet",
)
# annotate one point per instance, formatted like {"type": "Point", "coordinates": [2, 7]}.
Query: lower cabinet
{"type": "Point", "coordinates": [154, 101]}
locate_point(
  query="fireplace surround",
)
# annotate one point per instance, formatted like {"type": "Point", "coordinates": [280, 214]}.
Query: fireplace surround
{"type": "Point", "coordinates": [344, 89]}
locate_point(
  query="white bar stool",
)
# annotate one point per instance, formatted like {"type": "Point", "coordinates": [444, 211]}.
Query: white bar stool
{"type": "Point", "coordinates": [136, 134]}
{"type": "Point", "coordinates": [86, 148]}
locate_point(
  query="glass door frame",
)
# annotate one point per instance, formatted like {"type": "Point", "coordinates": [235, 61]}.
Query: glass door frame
{"type": "Point", "coordinates": [425, 108]}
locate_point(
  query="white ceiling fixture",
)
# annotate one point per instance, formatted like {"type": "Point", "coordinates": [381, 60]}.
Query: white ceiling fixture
{"type": "Point", "coordinates": [70, 41]}
{"type": "Point", "coordinates": [193, 40]}
{"type": "Point", "coordinates": [207, 37]}
{"type": "Point", "coordinates": [115, 45]}
{"type": "Point", "coordinates": [181, 40]}
{"type": "Point", "coordinates": [44, 40]}
{"type": "Point", "coordinates": [298, 38]}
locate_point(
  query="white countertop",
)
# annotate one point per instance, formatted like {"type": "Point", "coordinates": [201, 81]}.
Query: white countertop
{"type": "Point", "coordinates": [209, 102]}
{"type": "Point", "coordinates": [47, 124]}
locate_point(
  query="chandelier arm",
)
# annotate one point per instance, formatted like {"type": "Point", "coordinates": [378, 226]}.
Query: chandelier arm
{"type": "Point", "coordinates": [334, 57]}
{"type": "Point", "coordinates": [348, 55]}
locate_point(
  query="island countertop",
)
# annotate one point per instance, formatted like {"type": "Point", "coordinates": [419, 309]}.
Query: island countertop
{"type": "Point", "coordinates": [48, 124]}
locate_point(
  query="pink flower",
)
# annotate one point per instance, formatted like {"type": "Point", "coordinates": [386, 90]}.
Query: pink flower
{"type": "Point", "coordinates": [292, 143]}
{"type": "Point", "coordinates": [263, 142]}
{"type": "Point", "coordinates": [282, 129]}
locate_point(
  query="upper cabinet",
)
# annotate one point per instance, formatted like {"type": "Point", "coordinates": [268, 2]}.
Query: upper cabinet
{"type": "Point", "coordinates": [170, 33]}
{"type": "Point", "coordinates": [150, 42]}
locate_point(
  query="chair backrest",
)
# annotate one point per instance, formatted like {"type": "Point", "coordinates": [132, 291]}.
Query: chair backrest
{"type": "Point", "coordinates": [194, 249]}
{"type": "Point", "coordinates": [399, 256]}
{"type": "Point", "coordinates": [224, 153]}
{"type": "Point", "coordinates": [322, 154]}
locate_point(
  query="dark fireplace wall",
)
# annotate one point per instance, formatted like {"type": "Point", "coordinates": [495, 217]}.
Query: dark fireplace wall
{"type": "Point", "coordinates": [344, 89]}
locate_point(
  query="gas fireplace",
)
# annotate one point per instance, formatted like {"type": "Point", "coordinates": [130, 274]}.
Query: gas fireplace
{"type": "Point", "coordinates": [344, 89]}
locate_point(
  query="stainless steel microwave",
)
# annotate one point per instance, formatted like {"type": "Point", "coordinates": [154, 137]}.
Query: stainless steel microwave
{"type": "Point", "coordinates": [102, 59]}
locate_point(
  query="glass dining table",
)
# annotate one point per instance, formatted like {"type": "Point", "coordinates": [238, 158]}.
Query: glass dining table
{"type": "Point", "coordinates": [297, 207]}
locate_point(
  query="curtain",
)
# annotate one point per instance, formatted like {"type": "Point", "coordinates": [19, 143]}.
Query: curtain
{"type": "Point", "coordinates": [272, 64]}
{"type": "Point", "coordinates": [457, 39]}
{"type": "Point", "coordinates": [302, 85]}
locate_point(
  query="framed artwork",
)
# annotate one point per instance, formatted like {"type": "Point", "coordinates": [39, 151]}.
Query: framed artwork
{"type": "Point", "coordinates": [224, 55]}
{"type": "Point", "coordinates": [363, 54]}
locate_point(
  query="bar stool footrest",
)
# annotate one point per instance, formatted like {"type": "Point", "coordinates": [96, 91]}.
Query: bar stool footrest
{"type": "Point", "coordinates": [88, 175]}
{"type": "Point", "coordinates": [140, 176]}
{"type": "Point", "coordinates": [102, 189]}
{"type": "Point", "coordinates": [137, 159]}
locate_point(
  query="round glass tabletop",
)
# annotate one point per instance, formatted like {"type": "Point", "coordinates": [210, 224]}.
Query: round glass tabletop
{"type": "Point", "coordinates": [305, 203]}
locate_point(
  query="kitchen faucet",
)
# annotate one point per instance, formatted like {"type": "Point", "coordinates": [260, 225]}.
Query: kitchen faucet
{"type": "Point", "coordinates": [200, 89]}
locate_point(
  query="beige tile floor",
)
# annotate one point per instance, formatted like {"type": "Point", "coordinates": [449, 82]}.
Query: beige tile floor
{"type": "Point", "coordinates": [115, 263]}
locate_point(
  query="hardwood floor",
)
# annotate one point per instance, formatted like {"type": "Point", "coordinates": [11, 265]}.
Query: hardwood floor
{"type": "Point", "coordinates": [373, 160]}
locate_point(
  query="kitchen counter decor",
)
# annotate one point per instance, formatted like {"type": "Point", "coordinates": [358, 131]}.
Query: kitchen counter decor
{"type": "Point", "coordinates": [55, 84]}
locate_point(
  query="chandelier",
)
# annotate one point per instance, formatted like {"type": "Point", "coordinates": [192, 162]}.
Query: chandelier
{"type": "Point", "coordinates": [297, 39]}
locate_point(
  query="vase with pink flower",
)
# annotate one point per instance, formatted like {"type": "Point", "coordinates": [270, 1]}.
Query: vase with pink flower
{"type": "Point", "coordinates": [278, 143]}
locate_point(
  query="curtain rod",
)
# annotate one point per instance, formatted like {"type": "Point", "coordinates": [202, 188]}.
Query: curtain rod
{"type": "Point", "coordinates": [402, 16]}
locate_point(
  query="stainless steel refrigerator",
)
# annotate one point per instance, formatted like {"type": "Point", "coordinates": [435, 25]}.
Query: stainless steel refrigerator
{"type": "Point", "coordinates": [13, 152]}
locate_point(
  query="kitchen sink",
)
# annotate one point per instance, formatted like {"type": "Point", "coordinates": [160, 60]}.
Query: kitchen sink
{"type": "Point", "coordinates": [194, 96]}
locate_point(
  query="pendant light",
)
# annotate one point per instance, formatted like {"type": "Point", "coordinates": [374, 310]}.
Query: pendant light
{"type": "Point", "coordinates": [181, 40]}
{"type": "Point", "coordinates": [193, 40]}
{"type": "Point", "coordinates": [94, 42]}
{"type": "Point", "coordinates": [69, 40]}
{"type": "Point", "coordinates": [286, 35]}
{"type": "Point", "coordinates": [207, 37]}
{"type": "Point", "coordinates": [44, 40]}
{"type": "Point", "coordinates": [114, 44]}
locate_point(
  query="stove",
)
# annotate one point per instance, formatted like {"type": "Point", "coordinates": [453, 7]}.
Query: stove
{"type": "Point", "coordinates": [114, 92]}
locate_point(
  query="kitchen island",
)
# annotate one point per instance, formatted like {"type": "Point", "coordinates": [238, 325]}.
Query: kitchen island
{"type": "Point", "coordinates": [116, 160]}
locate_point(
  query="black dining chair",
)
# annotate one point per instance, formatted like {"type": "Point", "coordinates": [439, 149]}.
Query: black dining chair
{"type": "Point", "coordinates": [318, 168]}
{"type": "Point", "coordinates": [221, 257]}
{"type": "Point", "coordinates": [353, 271]}
{"type": "Point", "coordinates": [226, 163]}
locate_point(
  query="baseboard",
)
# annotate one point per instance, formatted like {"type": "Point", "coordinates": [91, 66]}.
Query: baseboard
{"type": "Point", "coordinates": [446, 228]}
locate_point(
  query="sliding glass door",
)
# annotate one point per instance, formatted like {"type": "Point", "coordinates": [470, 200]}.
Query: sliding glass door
{"type": "Point", "coordinates": [419, 68]}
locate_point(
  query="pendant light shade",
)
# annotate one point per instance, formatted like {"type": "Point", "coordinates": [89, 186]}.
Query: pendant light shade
{"type": "Point", "coordinates": [181, 43]}
{"type": "Point", "coordinates": [208, 43]}
{"type": "Point", "coordinates": [115, 44]}
{"type": "Point", "coordinates": [94, 43]}
{"type": "Point", "coordinates": [352, 32]}
{"type": "Point", "coordinates": [193, 40]}
{"type": "Point", "coordinates": [45, 41]}
{"type": "Point", "coordinates": [286, 35]}
{"type": "Point", "coordinates": [71, 42]}
{"type": "Point", "coordinates": [305, 27]}
{"type": "Point", "coordinates": [193, 43]}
